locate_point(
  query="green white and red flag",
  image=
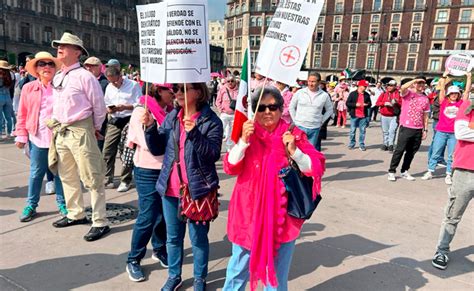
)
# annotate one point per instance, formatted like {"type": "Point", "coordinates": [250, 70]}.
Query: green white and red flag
{"type": "Point", "coordinates": [240, 115]}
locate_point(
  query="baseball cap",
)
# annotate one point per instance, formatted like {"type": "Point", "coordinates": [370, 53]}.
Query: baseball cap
{"type": "Point", "coordinates": [363, 83]}
{"type": "Point", "coordinates": [93, 61]}
{"type": "Point", "coordinates": [453, 89]}
{"type": "Point", "coordinates": [165, 85]}
{"type": "Point", "coordinates": [112, 62]}
{"type": "Point", "coordinates": [392, 83]}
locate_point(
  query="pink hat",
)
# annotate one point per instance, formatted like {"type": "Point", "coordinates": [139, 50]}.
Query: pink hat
{"type": "Point", "coordinates": [363, 83]}
{"type": "Point", "coordinates": [166, 86]}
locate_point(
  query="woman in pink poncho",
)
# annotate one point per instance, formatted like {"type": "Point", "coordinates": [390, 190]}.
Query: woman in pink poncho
{"type": "Point", "coordinates": [262, 233]}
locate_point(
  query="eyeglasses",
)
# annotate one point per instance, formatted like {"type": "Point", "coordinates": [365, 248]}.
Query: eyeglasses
{"type": "Point", "coordinates": [271, 107]}
{"type": "Point", "coordinates": [44, 64]}
{"type": "Point", "coordinates": [177, 89]}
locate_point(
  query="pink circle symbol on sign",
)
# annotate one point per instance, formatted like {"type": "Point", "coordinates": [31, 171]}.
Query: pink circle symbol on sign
{"type": "Point", "coordinates": [290, 56]}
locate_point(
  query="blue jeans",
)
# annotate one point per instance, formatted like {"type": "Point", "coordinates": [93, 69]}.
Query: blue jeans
{"type": "Point", "coordinates": [389, 129]}
{"type": "Point", "coordinates": [176, 229]}
{"type": "Point", "coordinates": [6, 113]}
{"type": "Point", "coordinates": [238, 269]}
{"type": "Point", "coordinates": [360, 123]}
{"type": "Point", "coordinates": [150, 222]}
{"type": "Point", "coordinates": [430, 150]}
{"type": "Point", "coordinates": [38, 168]}
{"type": "Point", "coordinates": [312, 134]}
{"type": "Point", "coordinates": [440, 142]}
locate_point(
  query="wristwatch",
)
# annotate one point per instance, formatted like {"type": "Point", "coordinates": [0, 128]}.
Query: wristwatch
{"type": "Point", "coordinates": [425, 130]}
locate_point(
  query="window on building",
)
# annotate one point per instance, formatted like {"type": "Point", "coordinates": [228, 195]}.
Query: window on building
{"type": "Point", "coordinates": [467, 2]}
{"type": "Point", "coordinates": [377, 5]}
{"type": "Point", "coordinates": [334, 47]}
{"type": "Point", "coordinates": [257, 40]}
{"type": "Point", "coordinates": [419, 4]}
{"type": "Point", "coordinates": [370, 62]}
{"type": "Point", "coordinates": [337, 35]}
{"type": "Point", "coordinates": [104, 43]}
{"type": "Point", "coordinates": [394, 33]}
{"type": "Point", "coordinates": [355, 34]}
{"type": "Point", "coordinates": [47, 6]}
{"type": "Point", "coordinates": [396, 17]}
{"type": "Point", "coordinates": [339, 8]}
{"type": "Point", "coordinates": [463, 32]}
{"type": "Point", "coordinates": [317, 62]}
{"type": "Point", "coordinates": [253, 21]}
{"type": "Point", "coordinates": [25, 31]}
{"type": "Point", "coordinates": [466, 15]}
{"type": "Point", "coordinates": [413, 48]}
{"type": "Point", "coordinates": [415, 33]}
{"type": "Point", "coordinates": [119, 23]}
{"type": "Point", "coordinates": [238, 59]}
{"type": "Point", "coordinates": [321, 20]}
{"type": "Point", "coordinates": [259, 22]}
{"type": "Point", "coordinates": [47, 34]}
{"type": "Point", "coordinates": [25, 4]}
{"type": "Point", "coordinates": [376, 18]}
{"type": "Point", "coordinates": [353, 48]}
{"type": "Point", "coordinates": [333, 63]}
{"type": "Point", "coordinates": [372, 48]}
{"type": "Point", "coordinates": [357, 5]}
{"type": "Point", "coordinates": [418, 17]}
{"type": "Point", "coordinates": [356, 19]}
{"type": "Point", "coordinates": [397, 4]}
{"type": "Point", "coordinates": [373, 35]}
{"type": "Point", "coordinates": [237, 9]}
{"type": "Point", "coordinates": [239, 23]}
{"type": "Point", "coordinates": [86, 14]}
{"type": "Point", "coordinates": [392, 48]}
{"type": "Point", "coordinates": [390, 64]}
{"type": "Point", "coordinates": [442, 16]}
{"type": "Point", "coordinates": [437, 46]}
{"type": "Point", "coordinates": [120, 46]}
{"type": "Point", "coordinates": [440, 32]}
{"type": "Point", "coordinates": [87, 40]}
{"type": "Point", "coordinates": [104, 19]}
{"type": "Point", "coordinates": [319, 36]}
{"type": "Point", "coordinates": [68, 11]}
{"type": "Point", "coordinates": [338, 19]}
{"type": "Point", "coordinates": [351, 62]}
{"type": "Point", "coordinates": [444, 2]}
{"type": "Point", "coordinates": [411, 64]}
{"type": "Point", "coordinates": [318, 47]}
{"type": "Point", "coordinates": [461, 46]}
{"type": "Point", "coordinates": [268, 19]}
{"type": "Point", "coordinates": [435, 65]}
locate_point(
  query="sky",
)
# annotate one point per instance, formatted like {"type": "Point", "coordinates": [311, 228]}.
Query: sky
{"type": "Point", "coordinates": [217, 9]}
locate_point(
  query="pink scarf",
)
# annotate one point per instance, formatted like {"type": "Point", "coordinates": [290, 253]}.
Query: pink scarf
{"type": "Point", "coordinates": [271, 205]}
{"type": "Point", "coordinates": [155, 108]}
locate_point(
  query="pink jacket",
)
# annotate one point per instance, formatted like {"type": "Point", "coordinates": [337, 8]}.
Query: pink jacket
{"type": "Point", "coordinates": [287, 95]}
{"type": "Point", "coordinates": [222, 100]}
{"type": "Point", "coordinates": [29, 108]}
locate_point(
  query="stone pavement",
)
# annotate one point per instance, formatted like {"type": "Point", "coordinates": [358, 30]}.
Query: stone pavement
{"type": "Point", "coordinates": [367, 234]}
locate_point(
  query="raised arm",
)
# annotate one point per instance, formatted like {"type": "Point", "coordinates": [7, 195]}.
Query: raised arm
{"type": "Point", "coordinates": [468, 86]}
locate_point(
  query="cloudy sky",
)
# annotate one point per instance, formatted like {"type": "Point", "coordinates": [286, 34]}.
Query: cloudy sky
{"type": "Point", "coordinates": [216, 9]}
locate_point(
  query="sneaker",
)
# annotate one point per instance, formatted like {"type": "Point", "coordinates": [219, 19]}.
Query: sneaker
{"type": "Point", "coordinates": [135, 272]}
{"type": "Point", "coordinates": [343, 126]}
{"type": "Point", "coordinates": [427, 176]}
{"type": "Point", "coordinates": [390, 148]}
{"type": "Point", "coordinates": [109, 183]}
{"type": "Point", "coordinates": [384, 148]}
{"type": "Point", "coordinates": [440, 261]}
{"type": "Point", "coordinates": [62, 210]}
{"type": "Point", "coordinates": [350, 147]}
{"type": "Point", "coordinates": [199, 284]}
{"type": "Point", "coordinates": [124, 187]}
{"type": "Point", "coordinates": [448, 180]}
{"type": "Point", "coordinates": [50, 188]}
{"type": "Point", "coordinates": [160, 256]}
{"type": "Point", "coordinates": [391, 177]}
{"type": "Point", "coordinates": [362, 148]}
{"type": "Point", "coordinates": [27, 214]}
{"type": "Point", "coordinates": [406, 175]}
{"type": "Point", "coordinates": [172, 284]}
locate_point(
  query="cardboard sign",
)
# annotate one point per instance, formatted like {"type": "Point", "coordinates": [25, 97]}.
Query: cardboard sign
{"type": "Point", "coordinates": [459, 64]}
{"type": "Point", "coordinates": [287, 39]}
{"type": "Point", "coordinates": [174, 45]}
{"type": "Point", "coordinates": [151, 29]}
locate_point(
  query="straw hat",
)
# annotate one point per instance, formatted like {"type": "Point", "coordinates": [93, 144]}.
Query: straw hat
{"type": "Point", "coordinates": [31, 65]}
{"type": "Point", "coordinates": [72, 39]}
{"type": "Point", "coordinates": [94, 61]}
{"type": "Point", "coordinates": [5, 65]}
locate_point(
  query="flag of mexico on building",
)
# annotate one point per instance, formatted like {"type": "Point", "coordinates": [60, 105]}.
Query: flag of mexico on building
{"type": "Point", "coordinates": [240, 115]}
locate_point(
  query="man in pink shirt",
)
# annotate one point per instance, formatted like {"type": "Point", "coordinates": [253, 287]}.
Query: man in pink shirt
{"type": "Point", "coordinates": [462, 190]}
{"type": "Point", "coordinates": [78, 113]}
{"type": "Point", "coordinates": [413, 126]}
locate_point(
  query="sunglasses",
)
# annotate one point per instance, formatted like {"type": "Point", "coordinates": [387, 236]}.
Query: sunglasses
{"type": "Point", "coordinates": [44, 64]}
{"type": "Point", "coordinates": [271, 107]}
{"type": "Point", "coordinates": [177, 89]}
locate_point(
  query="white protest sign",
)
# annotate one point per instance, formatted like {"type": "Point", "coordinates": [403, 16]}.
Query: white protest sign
{"type": "Point", "coordinates": [459, 64]}
{"type": "Point", "coordinates": [152, 29]}
{"type": "Point", "coordinates": [187, 44]}
{"type": "Point", "coordinates": [284, 47]}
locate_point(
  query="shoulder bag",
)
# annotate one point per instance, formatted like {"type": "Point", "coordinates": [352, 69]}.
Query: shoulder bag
{"type": "Point", "coordinates": [233, 102]}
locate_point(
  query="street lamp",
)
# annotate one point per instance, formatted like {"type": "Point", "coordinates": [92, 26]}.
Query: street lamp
{"type": "Point", "coordinates": [380, 45]}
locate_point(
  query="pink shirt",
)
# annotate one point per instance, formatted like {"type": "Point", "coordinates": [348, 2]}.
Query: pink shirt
{"type": "Point", "coordinates": [174, 184]}
{"type": "Point", "coordinates": [42, 138]}
{"type": "Point", "coordinates": [78, 95]}
{"type": "Point", "coordinates": [414, 106]}
{"type": "Point", "coordinates": [287, 95]}
{"type": "Point", "coordinates": [223, 99]}
{"type": "Point", "coordinates": [463, 153]}
{"type": "Point", "coordinates": [142, 158]}
{"type": "Point", "coordinates": [447, 114]}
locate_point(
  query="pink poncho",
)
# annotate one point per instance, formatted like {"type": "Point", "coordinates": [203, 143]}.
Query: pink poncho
{"type": "Point", "coordinates": [258, 219]}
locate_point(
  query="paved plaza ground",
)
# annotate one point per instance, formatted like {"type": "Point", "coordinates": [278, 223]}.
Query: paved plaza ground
{"type": "Point", "coordinates": [367, 234]}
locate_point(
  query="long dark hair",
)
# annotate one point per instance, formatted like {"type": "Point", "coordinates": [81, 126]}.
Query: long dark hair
{"type": "Point", "coordinates": [7, 78]}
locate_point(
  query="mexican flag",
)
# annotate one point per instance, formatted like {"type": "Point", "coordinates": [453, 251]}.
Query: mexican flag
{"type": "Point", "coordinates": [346, 73]}
{"type": "Point", "coordinates": [240, 116]}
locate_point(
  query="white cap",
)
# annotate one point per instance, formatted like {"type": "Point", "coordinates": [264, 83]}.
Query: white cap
{"type": "Point", "coordinates": [453, 89]}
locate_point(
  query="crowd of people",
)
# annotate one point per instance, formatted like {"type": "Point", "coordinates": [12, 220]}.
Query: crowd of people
{"type": "Point", "coordinates": [73, 119]}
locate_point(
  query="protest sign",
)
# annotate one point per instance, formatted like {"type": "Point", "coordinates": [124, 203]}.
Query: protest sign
{"type": "Point", "coordinates": [152, 31]}
{"type": "Point", "coordinates": [459, 64]}
{"type": "Point", "coordinates": [287, 39]}
{"type": "Point", "coordinates": [187, 44]}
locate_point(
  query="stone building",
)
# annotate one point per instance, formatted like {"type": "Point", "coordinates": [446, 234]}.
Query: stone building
{"type": "Point", "coordinates": [389, 38]}
{"type": "Point", "coordinates": [217, 33]}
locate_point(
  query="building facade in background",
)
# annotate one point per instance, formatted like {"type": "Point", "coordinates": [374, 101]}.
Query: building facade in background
{"type": "Point", "coordinates": [389, 38]}
{"type": "Point", "coordinates": [108, 27]}
{"type": "Point", "coordinates": [217, 33]}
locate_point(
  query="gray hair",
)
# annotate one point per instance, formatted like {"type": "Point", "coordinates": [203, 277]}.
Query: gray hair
{"type": "Point", "coordinates": [270, 90]}
{"type": "Point", "coordinates": [112, 71]}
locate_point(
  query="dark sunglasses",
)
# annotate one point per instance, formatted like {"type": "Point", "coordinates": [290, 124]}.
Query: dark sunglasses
{"type": "Point", "coordinates": [44, 64]}
{"type": "Point", "coordinates": [177, 89]}
{"type": "Point", "coordinates": [271, 107]}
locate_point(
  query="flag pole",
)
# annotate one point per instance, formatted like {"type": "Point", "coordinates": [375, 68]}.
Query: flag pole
{"type": "Point", "coordinates": [185, 101]}
{"type": "Point", "coordinates": [259, 99]}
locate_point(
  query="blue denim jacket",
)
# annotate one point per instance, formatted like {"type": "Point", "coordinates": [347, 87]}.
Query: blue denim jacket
{"type": "Point", "coordinates": [202, 150]}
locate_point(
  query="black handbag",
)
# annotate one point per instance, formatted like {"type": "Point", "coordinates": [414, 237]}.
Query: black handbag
{"type": "Point", "coordinates": [126, 153]}
{"type": "Point", "coordinates": [233, 102]}
{"type": "Point", "coordinates": [300, 190]}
